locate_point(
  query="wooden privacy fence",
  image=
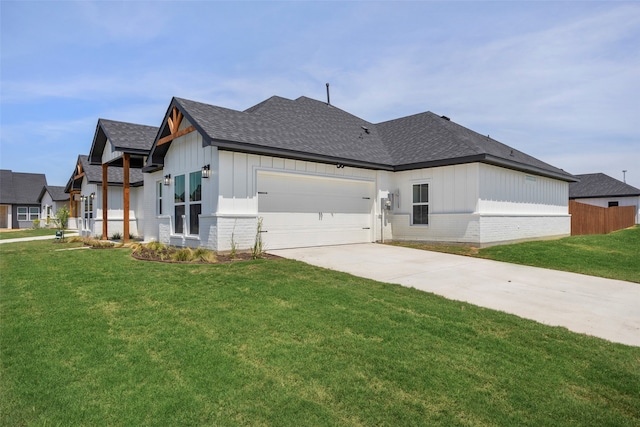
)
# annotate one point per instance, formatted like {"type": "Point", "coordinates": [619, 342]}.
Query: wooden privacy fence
{"type": "Point", "coordinates": [589, 219]}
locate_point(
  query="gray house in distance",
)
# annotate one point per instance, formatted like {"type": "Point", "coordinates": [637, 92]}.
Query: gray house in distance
{"type": "Point", "coordinates": [20, 198]}
{"type": "Point", "coordinates": [598, 189]}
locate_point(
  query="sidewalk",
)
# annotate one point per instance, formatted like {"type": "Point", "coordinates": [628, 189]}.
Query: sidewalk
{"type": "Point", "coordinates": [28, 239]}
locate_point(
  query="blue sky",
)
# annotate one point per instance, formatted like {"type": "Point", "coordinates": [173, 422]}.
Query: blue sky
{"type": "Point", "coordinates": [557, 80]}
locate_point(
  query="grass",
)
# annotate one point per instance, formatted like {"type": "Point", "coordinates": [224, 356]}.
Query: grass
{"type": "Point", "coordinates": [613, 255]}
{"type": "Point", "coordinates": [28, 233]}
{"type": "Point", "coordinates": [95, 337]}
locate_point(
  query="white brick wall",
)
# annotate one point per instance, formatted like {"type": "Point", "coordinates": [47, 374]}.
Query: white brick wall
{"type": "Point", "coordinates": [463, 228]}
{"type": "Point", "coordinates": [499, 228]}
{"type": "Point", "coordinates": [481, 229]}
{"type": "Point", "coordinates": [243, 229]}
{"type": "Point", "coordinates": [164, 230]}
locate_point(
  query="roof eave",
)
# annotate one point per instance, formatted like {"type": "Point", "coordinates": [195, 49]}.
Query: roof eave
{"type": "Point", "coordinates": [603, 196]}
{"type": "Point", "coordinates": [492, 160]}
{"type": "Point", "coordinates": [97, 145]}
{"type": "Point", "coordinates": [510, 164]}
{"type": "Point", "coordinates": [262, 150]}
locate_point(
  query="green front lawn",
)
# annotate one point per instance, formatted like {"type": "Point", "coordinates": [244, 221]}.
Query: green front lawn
{"type": "Point", "coordinates": [94, 337]}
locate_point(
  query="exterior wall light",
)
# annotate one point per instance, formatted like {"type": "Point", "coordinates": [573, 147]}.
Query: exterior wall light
{"type": "Point", "coordinates": [167, 179]}
{"type": "Point", "coordinates": [92, 195]}
{"type": "Point", "coordinates": [206, 171]}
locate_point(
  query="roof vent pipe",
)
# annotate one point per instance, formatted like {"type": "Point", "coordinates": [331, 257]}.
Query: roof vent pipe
{"type": "Point", "coordinates": [328, 99]}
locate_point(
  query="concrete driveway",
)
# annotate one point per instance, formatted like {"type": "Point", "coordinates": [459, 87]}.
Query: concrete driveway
{"type": "Point", "coordinates": [604, 308]}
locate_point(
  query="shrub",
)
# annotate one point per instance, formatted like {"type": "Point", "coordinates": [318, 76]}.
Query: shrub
{"type": "Point", "coordinates": [184, 254]}
{"type": "Point", "coordinates": [116, 236]}
{"type": "Point", "coordinates": [36, 223]}
{"type": "Point", "coordinates": [99, 244]}
{"type": "Point", "coordinates": [204, 255]}
{"type": "Point", "coordinates": [155, 246]}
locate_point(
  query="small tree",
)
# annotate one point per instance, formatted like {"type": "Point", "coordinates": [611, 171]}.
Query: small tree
{"type": "Point", "coordinates": [62, 218]}
{"type": "Point", "coordinates": [257, 251]}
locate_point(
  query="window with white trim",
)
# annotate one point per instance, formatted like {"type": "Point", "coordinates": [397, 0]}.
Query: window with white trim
{"type": "Point", "coordinates": [28, 213]}
{"type": "Point", "coordinates": [88, 208]}
{"type": "Point", "coordinates": [420, 204]}
{"type": "Point", "coordinates": [159, 185]}
{"type": "Point", "coordinates": [179, 204]}
{"type": "Point", "coordinates": [195, 199]}
{"type": "Point", "coordinates": [22, 213]}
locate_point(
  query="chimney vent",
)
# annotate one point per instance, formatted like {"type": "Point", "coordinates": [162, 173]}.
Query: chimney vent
{"type": "Point", "coordinates": [328, 99]}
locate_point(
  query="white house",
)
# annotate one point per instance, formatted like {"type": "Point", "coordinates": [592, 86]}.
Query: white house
{"type": "Point", "coordinates": [119, 150]}
{"type": "Point", "coordinates": [51, 199]}
{"type": "Point", "coordinates": [598, 189]}
{"type": "Point", "coordinates": [85, 189]}
{"type": "Point", "coordinates": [316, 175]}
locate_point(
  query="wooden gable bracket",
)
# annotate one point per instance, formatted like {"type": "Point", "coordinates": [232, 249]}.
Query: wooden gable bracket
{"type": "Point", "coordinates": [79, 172]}
{"type": "Point", "coordinates": [174, 121]}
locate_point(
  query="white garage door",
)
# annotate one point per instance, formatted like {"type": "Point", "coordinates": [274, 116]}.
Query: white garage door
{"type": "Point", "coordinates": [300, 210]}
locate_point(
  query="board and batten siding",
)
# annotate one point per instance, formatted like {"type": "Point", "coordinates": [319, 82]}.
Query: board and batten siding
{"type": "Point", "coordinates": [186, 155]}
{"type": "Point", "coordinates": [481, 204]}
{"type": "Point", "coordinates": [507, 192]}
{"type": "Point", "coordinates": [152, 222]}
{"type": "Point", "coordinates": [453, 196]}
{"type": "Point", "coordinates": [109, 154]}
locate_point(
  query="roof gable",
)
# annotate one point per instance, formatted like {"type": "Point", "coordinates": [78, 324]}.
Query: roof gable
{"type": "Point", "coordinates": [57, 193]}
{"type": "Point", "coordinates": [125, 137]}
{"type": "Point", "coordinates": [93, 174]}
{"type": "Point", "coordinates": [595, 185]}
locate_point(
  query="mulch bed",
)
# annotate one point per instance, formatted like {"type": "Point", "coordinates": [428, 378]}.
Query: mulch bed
{"type": "Point", "coordinates": [165, 256]}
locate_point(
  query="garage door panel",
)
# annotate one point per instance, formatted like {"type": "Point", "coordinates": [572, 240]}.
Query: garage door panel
{"type": "Point", "coordinates": [308, 230]}
{"type": "Point", "coordinates": [302, 211]}
{"type": "Point", "coordinates": [304, 202]}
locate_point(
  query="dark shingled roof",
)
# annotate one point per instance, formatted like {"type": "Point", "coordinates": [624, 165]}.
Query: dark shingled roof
{"type": "Point", "coordinates": [56, 192]}
{"type": "Point", "coordinates": [600, 185]}
{"type": "Point", "coordinates": [313, 130]}
{"type": "Point", "coordinates": [125, 137]}
{"type": "Point", "coordinates": [21, 188]}
{"type": "Point", "coordinates": [93, 173]}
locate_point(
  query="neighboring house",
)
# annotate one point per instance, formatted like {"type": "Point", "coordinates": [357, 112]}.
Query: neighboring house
{"type": "Point", "coordinates": [51, 199]}
{"type": "Point", "coordinates": [20, 198]}
{"type": "Point", "coordinates": [85, 189]}
{"type": "Point", "coordinates": [115, 204]}
{"type": "Point", "coordinates": [313, 174]}
{"type": "Point", "coordinates": [601, 190]}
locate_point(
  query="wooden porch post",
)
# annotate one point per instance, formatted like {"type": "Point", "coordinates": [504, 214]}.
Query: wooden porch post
{"type": "Point", "coordinates": [105, 186]}
{"type": "Point", "coordinates": [125, 166]}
